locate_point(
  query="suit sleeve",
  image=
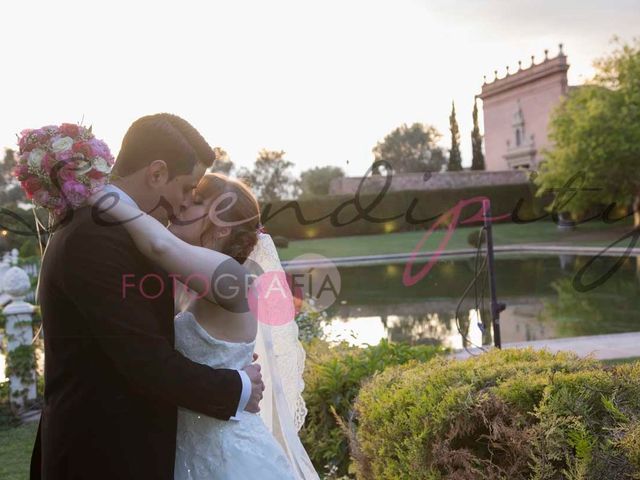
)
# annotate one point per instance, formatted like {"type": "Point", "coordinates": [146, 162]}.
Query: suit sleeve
{"type": "Point", "coordinates": [124, 326]}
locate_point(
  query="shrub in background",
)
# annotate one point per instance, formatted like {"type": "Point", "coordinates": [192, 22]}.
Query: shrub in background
{"type": "Point", "coordinates": [333, 376]}
{"type": "Point", "coordinates": [516, 414]}
{"type": "Point", "coordinates": [280, 217]}
{"type": "Point", "coordinates": [280, 242]}
{"type": "Point", "coordinates": [474, 237]}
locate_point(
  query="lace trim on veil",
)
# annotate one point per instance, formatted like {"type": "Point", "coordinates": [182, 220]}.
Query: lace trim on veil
{"type": "Point", "coordinates": [289, 354]}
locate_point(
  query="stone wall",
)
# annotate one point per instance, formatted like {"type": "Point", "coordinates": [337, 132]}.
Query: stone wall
{"type": "Point", "coordinates": [434, 181]}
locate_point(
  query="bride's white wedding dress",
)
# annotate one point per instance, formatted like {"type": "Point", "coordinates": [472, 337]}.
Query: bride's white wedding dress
{"type": "Point", "coordinates": [212, 449]}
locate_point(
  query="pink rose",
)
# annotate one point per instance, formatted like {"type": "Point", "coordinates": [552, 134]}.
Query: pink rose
{"type": "Point", "coordinates": [64, 156]}
{"type": "Point", "coordinates": [95, 174]}
{"type": "Point", "coordinates": [69, 130]}
{"type": "Point", "coordinates": [100, 149]}
{"type": "Point", "coordinates": [31, 185]}
{"type": "Point", "coordinates": [48, 161]}
{"type": "Point", "coordinates": [75, 193]}
{"type": "Point", "coordinates": [67, 173]}
{"type": "Point", "coordinates": [83, 148]}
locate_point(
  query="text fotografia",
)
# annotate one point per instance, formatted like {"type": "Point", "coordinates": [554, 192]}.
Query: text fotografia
{"type": "Point", "coordinates": [232, 292]}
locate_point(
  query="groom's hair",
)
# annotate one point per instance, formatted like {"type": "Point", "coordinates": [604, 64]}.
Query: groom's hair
{"type": "Point", "coordinates": [162, 136]}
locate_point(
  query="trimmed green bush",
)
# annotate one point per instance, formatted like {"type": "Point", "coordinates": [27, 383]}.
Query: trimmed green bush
{"type": "Point", "coordinates": [512, 414]}
{"type": "Point", "coordinates": [333, 376]}
{"type": "Point", "coordinates": [285, 218]}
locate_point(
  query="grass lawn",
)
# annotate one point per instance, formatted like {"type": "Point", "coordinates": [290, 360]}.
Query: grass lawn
{"type": "Point", "coordinates": [593, 233]}
{"type": "Point", "coordinates": [16, 445]}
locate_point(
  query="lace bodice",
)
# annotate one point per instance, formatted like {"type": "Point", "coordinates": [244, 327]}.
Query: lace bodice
{"type": "Point", "coordinates": [194, 342]}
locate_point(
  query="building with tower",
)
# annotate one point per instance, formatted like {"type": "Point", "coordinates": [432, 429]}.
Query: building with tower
{"type": "Point", "coordinates": [517, 109]}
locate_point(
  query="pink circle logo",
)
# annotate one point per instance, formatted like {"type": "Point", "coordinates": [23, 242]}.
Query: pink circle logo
{"type": "Point", "coordinates": [270, 299]}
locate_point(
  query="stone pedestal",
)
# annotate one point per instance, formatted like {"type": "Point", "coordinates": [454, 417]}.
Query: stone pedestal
{"type": "Point", "coordinates": [19, 333]}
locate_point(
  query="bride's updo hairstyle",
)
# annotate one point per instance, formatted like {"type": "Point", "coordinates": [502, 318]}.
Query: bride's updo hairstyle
{"type": "Point", "coordinates": [244, 212]}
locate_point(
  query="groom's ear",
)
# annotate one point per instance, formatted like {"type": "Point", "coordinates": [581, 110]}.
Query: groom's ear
{"type": "Point", "coordinates": [157, 173]}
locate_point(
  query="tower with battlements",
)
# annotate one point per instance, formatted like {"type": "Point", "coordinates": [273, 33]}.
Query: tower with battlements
{"type": "Point", "coordinates": [517, 109]}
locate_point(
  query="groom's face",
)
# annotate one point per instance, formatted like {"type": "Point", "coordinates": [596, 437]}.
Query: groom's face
{"type": "Point", "coordinates": [178, 193]}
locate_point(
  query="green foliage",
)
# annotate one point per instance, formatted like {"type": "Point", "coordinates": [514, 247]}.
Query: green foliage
{"type": "Point", "coordinates": [271, 178]}
{"type": "Point", "coordinates": [283, 217]}
{"type": "Point", "coordinates": [477, 161]}
{"type": "Point", "coordinates": [222, 162]}
{"type": "Point", "coordinates": [21, 362]}
{"type": "Point", "coordinates": [630, 444]}
{"type": "Point", "coordinates": [474, 237]}
{"type": "Point", "coordinates": [8, 417]}
{"type": "Point", "coordinates": [29, 248]}
{"type": "Point", "coordinates": [315, 182]}
{"type": "Point", "coordinates": [280, 242]}
{"type": "Point", "coordinates": [16, 445]}
{"type": "Point", "coordinates": [411, 149]}
{"type": "Point", "coordinates": [309, 321]}
{"type": "Point", "coordinates": [596, 135]}
{"type": "Point", "coordinates": [332, 380]}
{"type": "Point", "coordinates": [10, 191]}
{"type": "Point", "coordinates": [516, 414]}
{"type": "Point", "coordinates": [19, 224]}
{"type": "Point", "coordinates": [455, 159]}
{"type": "Point", "coordinates": [577, 313]}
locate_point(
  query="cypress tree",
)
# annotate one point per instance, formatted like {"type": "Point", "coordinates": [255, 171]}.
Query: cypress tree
{"type": "Point", "coordinates": [455, 160]}
{"type": "Point", "coordinates": [477, 161]}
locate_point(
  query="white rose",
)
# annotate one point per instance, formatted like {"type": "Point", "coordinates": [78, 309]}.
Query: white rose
{"type": "Point", "coordinates": [62, 144]}
{"type": "Point", "coordinates": [82, 168]}
{"type": "Point", "coordinates": [35, 158]}
{"type": "Point", "coordinates": [101, 165]}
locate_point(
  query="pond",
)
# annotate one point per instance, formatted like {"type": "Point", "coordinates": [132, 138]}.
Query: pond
{"type": "Point", "coordinates": [541, 302]}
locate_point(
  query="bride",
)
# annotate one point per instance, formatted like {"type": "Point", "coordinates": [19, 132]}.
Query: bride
{"type": "Point", "coordinates": [208, 240]}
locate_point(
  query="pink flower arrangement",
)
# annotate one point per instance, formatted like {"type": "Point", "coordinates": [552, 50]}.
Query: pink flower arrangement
{"type": "Point", "coordinates": [59, 167]}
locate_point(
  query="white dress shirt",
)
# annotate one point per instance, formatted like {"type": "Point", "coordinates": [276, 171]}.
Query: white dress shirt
{"type": "Point", "coordinates": [246, 382]}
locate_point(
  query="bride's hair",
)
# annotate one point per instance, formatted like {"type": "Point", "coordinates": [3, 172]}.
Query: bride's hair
{"type": "Point", "coordinates": [243, 236]}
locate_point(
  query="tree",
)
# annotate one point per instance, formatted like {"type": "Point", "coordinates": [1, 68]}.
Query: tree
{"type": "Point", "coordinates": [222, 162]}
{"type": "Point", "coordinates": [455, 160]}
{"type": "Point", "coordinates": [477, 161]}
{"type": "Point", "coordinates": [315, 182]}
{"type": "Point", "coordinates": [411, 149]}
{"type": "Point", "coordinates": [10, 191]}
{"type": "Point", "coordinates": [271, 178]}
{"type": "Point", "coordinates": [596, 138]}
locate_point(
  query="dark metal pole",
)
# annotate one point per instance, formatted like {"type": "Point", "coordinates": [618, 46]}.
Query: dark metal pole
{"type": "Point", "coordinates": [496, 307]}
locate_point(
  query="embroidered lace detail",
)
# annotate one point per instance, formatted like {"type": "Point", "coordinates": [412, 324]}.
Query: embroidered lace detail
{"type": "Point", "coordinates": [290, 355]}
{"type": "Point", "coordinates": [212, 449]}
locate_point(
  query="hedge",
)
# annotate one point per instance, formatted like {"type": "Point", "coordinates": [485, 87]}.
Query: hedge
{"type": "Point", "coordinates": [416, 210]}
{"type": "Point", "coordinates": [512, 414]}
{"type": "Point", "coordinates": [333, 376]}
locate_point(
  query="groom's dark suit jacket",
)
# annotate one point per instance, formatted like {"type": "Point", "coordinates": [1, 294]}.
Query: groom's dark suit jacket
{"type": "Point", "coordinates": [113, 380]}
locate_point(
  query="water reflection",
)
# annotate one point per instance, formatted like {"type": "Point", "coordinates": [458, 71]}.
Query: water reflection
{"type": "Point", "coordinates": [541, 303]}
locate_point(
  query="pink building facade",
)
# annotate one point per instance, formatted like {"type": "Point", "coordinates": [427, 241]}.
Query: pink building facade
{"type": "Point", "coordinates": [516, 112]}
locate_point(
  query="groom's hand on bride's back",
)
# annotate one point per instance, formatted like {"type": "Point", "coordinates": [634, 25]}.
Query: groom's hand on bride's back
{"type": "Point", "coordinates": [257, 387]}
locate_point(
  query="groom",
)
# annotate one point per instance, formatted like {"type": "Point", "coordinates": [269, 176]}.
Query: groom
{"type": "Point", "coordinates": [113, 381]}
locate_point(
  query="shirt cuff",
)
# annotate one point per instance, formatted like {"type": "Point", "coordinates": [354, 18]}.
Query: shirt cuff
{"type": "Point", "coordinates": [244, 396]}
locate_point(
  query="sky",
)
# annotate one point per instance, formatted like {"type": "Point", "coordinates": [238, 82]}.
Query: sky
{"type": "Point", "coordinates": [322, 80]}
